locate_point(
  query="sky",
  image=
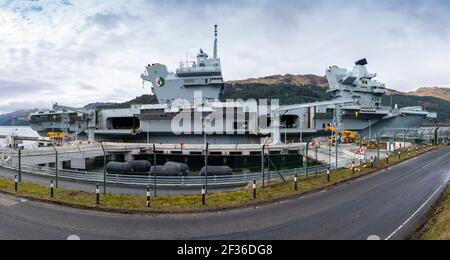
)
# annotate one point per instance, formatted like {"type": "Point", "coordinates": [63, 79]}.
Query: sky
{"type": "Point", "coordinates": [76, 52]}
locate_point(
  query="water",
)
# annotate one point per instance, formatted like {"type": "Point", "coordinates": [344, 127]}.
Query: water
{"type": "Point", "coordinates": [20, 131]}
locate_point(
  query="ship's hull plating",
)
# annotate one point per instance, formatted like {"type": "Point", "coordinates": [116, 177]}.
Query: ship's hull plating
{"type": "Point", "coordinates": [369, 128]}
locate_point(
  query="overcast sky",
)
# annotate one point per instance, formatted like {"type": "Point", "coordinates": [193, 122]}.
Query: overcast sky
{"type": "Point", "coordinates": [77, 52]}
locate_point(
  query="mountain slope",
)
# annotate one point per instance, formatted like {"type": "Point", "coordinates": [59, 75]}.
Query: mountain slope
{"type": "Point", "coordinates": [438, 92]}
{"type": "Point", "coordinates": [288, 79]}
{"type": "Point", "coordinates": [286, 93]}
{"type": "Point", "coordinates": [17, 118]}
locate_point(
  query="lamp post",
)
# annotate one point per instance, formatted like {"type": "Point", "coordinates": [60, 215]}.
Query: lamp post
{"type": "Point", "coordinates": [285, 133]}
{"type": "Point", "coordinates": [148, 133]}
{"type": "Point", "coordinates": [154, 172]}
{"type": "Point", "coordinates": [263, 161]}
{"type": "Point", "coordinates": [56, 164]}
{"type": "Point", "coordinates": [337, 149]}
{"type": "Point", "coordinates": [301, 133]}
{"type": "Point", "coordinates": [329, 155]}
{"type": "Point", "coordinates": [316, 157]}
{"type": "Point", "coordinates": [306, 158]}
{"type": "Point", "coordinates": [206, 155]}
{"type": "Point", "coordinates": [104, 167]}
{"type": "Point", "coordinates": [206, 167]}
{"type": "Point", "coordinates": [20, 164]}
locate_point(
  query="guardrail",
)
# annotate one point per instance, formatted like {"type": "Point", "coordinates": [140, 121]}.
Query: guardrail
{"type": "Point", "coordinates": [148, 180]}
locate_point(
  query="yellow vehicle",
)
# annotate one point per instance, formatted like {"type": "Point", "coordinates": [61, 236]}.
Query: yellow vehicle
{"type": "Point", "coordinates": [57, 137]}
{"type": "Point", "coordinates": [346, 136]}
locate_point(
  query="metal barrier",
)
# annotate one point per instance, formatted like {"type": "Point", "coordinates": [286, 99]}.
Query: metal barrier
{"type": "Point", "coordinates": [148, 180]}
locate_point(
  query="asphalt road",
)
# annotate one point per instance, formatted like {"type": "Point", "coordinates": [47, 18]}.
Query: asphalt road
{"type": "Point", "coordinates": [389, 204]}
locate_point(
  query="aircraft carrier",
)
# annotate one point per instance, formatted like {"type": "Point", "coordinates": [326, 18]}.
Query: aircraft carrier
{"type": "Point", "coordinates": [189, 109]}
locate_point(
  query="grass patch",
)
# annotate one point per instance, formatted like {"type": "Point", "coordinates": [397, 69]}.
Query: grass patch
{"type": "Point", "coordinates": [438, 227]}
{"type": "Point", "coordinates": [276, 190]}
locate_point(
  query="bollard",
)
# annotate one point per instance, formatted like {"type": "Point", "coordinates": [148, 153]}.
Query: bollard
{"type": "Point", "coordinates": [371, 162]}
{"type": "Point", "coordinates": [148, 196]}
{"type": "Point", "coordinates": [399, 155]}
{"type": "Point", "coordinates": [15, 183]}
{"type": "Point", "coordinates": [328, 174]}
{"type": "Point", "coordinates": [387, 158]}
{"type": "Point", "coordinates": [51, 188]}
{"type": "Point", "coordinates": [203, 195]}
{"type": "Point", "coordinates": [97, 193]}
{"type": "Point", "coordinates": [295, 182]}
{"type": "Point", "coordinates": [254, 189]}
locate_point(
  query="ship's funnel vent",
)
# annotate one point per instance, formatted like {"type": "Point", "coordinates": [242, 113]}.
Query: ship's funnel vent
{"type": "Point", "coordinates": [362, 62]}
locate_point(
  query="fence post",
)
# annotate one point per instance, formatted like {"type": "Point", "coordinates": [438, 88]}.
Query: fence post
{"type": "Point", "coordinates": [203, 195]}
{"type": "Point", "coordinates": [148, 196]}
{"type": "Point", "coordinates": [51, 188]}
{"type": "Point", "coordinates": [254, 189]}
{"type": "Point", "coordinates": [295, 182]}
{"type": "Point", "coordinates": [97, 193]}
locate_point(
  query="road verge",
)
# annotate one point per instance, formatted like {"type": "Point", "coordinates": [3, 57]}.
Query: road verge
{"type": "Point", "coordinates": [239, 198]}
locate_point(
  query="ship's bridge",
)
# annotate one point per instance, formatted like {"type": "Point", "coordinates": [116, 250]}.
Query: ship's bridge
{"type": "Point", "coordinates": [203, 67]}
{"type": "Point", "coordinates": [198, 80]}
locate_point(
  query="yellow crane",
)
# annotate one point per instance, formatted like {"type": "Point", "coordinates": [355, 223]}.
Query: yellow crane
{"type": "Point", "coordinates": [346, 136]}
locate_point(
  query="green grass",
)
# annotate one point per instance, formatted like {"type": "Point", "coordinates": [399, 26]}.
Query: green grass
{"type": "Point", "coordinates": [242, 197]}
{"type": "Point", "coordinates": [438, 227]}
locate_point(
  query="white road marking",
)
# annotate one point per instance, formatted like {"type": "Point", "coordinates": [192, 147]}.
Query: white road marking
{"type": "Point", "coordinates": [414, 214]}
{"type": "Point", "coordinates": [73, 237]}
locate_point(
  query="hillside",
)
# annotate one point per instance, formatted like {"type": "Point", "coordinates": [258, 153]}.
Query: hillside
{"type": "Point", "coordinates": [438, 92]}
{"type": "Point", "coordinates": [17, 118]}
{"type": "Point", "coordinates": [288, 79]}
{"type": "Point", "coordinates": [286, 93]}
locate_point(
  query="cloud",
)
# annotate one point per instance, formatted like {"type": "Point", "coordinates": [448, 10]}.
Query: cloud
{"type": "Point", "coordinates": [18, 88]}
{"type": "Point", "coordinates": [78, 52]}
{"type": "Point", "coordinates": [14, 106]}
{"type": "Point", "coordinates": [108, 21]}
{"type": "Point", "coordinates": [84, 86]}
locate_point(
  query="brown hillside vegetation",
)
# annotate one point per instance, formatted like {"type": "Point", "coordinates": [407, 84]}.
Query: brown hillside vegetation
{"type": "Point", "coordinates": [295, 80]}
{"type": "Point", "coordinates": [443, 93]}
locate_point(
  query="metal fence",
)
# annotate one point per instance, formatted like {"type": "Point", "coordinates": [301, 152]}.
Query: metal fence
{"type": "Point", "coordinates": [148, 180]}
